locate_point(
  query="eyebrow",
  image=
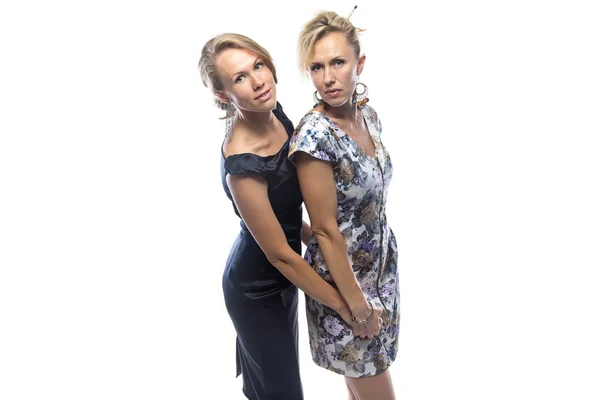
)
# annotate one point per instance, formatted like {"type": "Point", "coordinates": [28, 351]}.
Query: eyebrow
{"type": "Point", "coordinates": [241, 72]}
{"type": "Point", "coordinates": [334, 58]}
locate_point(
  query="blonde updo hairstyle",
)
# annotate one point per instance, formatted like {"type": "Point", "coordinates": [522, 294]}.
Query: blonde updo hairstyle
{"type": "Point", "coordinates": [323, 23]}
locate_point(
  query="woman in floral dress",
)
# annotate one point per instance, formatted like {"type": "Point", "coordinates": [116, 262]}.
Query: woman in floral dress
{"type": "Point", "coordinates": [344, 173]}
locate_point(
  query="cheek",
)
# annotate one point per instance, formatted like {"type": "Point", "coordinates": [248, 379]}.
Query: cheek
{"type": "Point", "coordinates": [237, 96]}
{"type": "Point", "coordinates": [315, 80]}
{"type": "Point", "coordinates": [230, 91]}
{"type": "Point", "coordinates": [266, 75]}
{"type": "Point", "coordinates": [351, 76]}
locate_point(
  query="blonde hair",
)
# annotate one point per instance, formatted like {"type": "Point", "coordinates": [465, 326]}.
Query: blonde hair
{"type": "Point", "coordinates": [323, 23]}
{"type": "Point", "coordinates": [215, 46]}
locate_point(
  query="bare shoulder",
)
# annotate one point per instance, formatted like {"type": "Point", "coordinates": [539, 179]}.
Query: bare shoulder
{"type": "Point", "coordinates": [236, 142]}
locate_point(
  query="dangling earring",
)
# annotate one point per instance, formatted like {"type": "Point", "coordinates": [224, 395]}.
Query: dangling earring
{"type": "Point", "coordinates": [229, 114]}
{"type": "Point", "coordinates": [360, 98]}
{"type": "Point", "coordinates": [316, 98]}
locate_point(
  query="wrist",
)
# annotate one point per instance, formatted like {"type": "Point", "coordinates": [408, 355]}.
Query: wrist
{"type": "Point", "coordinates": [339, 305]}
{"type": "Point", "coordinates": [344, 311]}
{"type": "Point", "coordinates": [345, 314]}
{"type": "Point", "coordinates": [361, 309]}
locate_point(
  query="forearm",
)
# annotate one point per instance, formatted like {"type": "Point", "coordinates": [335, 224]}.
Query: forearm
{"type": "Point", "coordinates": [297, 271]}
{"type": "Point", "coordinates": [306, 233]}
{"type": "Point", "coordinates": [333, 248]}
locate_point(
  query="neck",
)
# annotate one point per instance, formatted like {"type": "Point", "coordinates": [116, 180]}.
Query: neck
{"type": "Point", "coordinates": [256, 122]}
{"type": "Point", "coordinates": [347, 112]}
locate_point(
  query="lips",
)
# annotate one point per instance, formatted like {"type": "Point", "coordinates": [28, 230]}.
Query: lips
{"type": "Point", "coordinates": [333, 91]}
{"type": "Point", "coordinates": [264, 95]}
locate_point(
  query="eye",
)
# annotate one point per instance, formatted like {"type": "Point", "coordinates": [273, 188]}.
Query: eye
{"type": "Point", "coordinates": [258, 65]}
{"type": "Point", "coordinates": [315, 67]}
{"type": "Point", "coordinates": [239, 79]}
{"type": "Point", "coordinates": [338, 63]}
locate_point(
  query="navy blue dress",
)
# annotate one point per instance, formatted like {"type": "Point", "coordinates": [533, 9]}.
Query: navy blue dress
{"type": "Point", "coordinates": [261, 302]}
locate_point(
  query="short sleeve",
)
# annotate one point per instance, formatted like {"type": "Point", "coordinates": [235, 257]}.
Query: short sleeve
{"type": "Point", "coordinates": [314, 137]}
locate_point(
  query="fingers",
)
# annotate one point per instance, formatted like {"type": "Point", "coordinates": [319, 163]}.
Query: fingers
{"type": "Point", "coordinates": [362, 332]}
{"type": "Point", "coordinates": [371, 329]}
{"type": "Point", "coordinates": [369, 334]}
{"type": "Point", "coordinates": [359, 332]}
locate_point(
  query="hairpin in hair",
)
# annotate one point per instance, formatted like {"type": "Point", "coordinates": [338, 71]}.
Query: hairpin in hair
{"type": "Point", "coordinates": [352, 12]}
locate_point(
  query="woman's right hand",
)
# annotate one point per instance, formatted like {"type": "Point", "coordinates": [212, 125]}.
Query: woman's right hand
{"type": "Point", "coordinates": [372, 327]}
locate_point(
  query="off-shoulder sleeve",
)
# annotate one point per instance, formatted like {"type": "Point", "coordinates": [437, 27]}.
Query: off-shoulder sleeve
{"type": "Point", "coordinates": [248, 163]}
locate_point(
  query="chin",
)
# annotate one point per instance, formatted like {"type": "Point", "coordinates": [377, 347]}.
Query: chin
{"type": "Point", "coordinates": [272, 103]}
{"type": "Point", "coordinates": [261, 107]}
{"type": "Point", "coordinates": [266, 106]}
{"type": "Point", "coordinates": [337, 102]}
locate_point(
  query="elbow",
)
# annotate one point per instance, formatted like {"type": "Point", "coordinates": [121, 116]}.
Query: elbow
{"type": "Point", "coordinates": [326, 232]}
{"type": "Point", "coordinates": [280, 259]}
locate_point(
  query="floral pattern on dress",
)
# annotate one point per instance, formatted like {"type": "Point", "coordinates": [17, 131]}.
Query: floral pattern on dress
{"type": "Point", "coordinates": [362, 184]}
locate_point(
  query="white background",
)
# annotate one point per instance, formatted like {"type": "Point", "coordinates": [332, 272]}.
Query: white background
{"type": "Point", "coordinates": [114, 228]}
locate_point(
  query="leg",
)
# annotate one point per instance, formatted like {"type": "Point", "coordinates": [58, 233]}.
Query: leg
{"type": "Point", "coordinates": [351, 395]}
{"type": "Point", "coordinates": [267, 343]}
{"type": "Point", "coordinates": [378, 387]}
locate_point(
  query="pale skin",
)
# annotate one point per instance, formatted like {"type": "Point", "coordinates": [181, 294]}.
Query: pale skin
{"type": "Point", "coordinates": [246, 80]}
{"type": "Point", "coordinates": [334, 70]}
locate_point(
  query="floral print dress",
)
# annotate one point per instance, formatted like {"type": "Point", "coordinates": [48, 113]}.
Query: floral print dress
{"type": "Point", "coordinates": [362, 184]}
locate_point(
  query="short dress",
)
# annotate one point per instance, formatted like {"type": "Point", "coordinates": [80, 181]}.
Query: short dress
{"type": "Point", "coordinates": [362, 184]}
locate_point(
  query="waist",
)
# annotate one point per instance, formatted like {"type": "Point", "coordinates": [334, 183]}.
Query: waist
{"type": "Point", "coordinates": [249, 271]}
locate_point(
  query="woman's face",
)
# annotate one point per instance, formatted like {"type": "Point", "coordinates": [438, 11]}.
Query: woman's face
{"type": "Point", "coordinates": [334, 69]}
{"type": "Point", "coordinates": [247, 80]}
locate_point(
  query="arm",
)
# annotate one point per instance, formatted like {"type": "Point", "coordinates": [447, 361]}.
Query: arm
{"type": "Point", "coordinates": [249, 193]}
{"type": "Point", "coordinates": [320, 197]}
{"type": "Point", "coordinates": [306, 233]}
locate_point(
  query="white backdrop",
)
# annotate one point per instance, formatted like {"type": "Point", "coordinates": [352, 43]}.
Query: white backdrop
{"type": "Point", "coordinates": [114, 228]}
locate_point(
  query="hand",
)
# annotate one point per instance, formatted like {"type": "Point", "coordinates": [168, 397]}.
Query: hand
{"type": "Point", "coordinates": [371, 328]}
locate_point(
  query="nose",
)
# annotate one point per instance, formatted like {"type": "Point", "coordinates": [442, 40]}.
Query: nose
{"type": "Point", "coordinates": [328, 77]}
{"type": "Point", "coordinates": [257, 82]}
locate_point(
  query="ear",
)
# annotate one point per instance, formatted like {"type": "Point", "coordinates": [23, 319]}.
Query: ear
{"type": "Point", "coordinates": [361, 64]}
{"type": "Point", "coordinates": [221, 96]}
